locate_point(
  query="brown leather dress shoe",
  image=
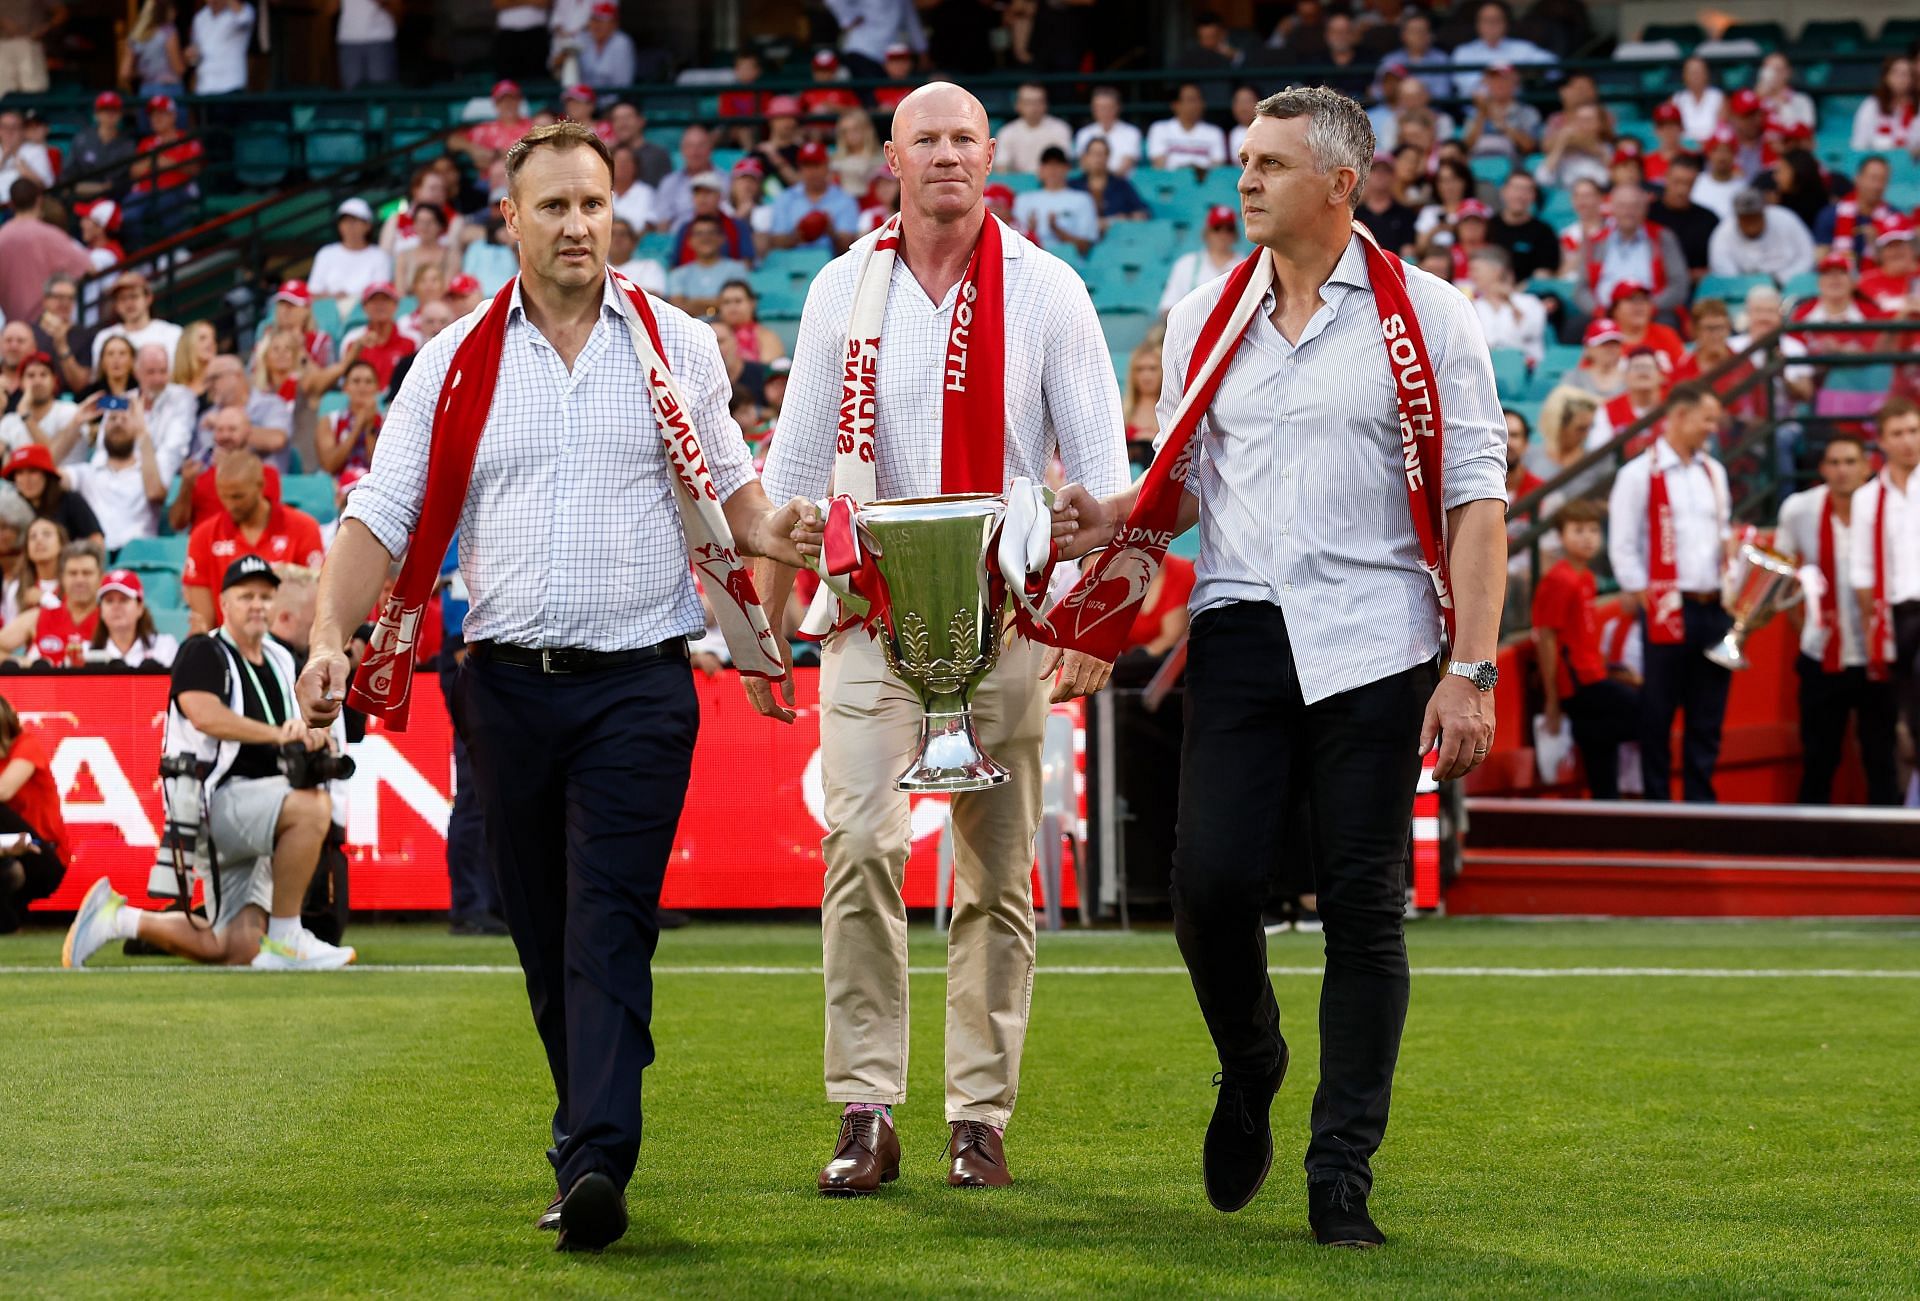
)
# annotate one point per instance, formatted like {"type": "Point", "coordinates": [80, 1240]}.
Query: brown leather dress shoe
{"type": "Point", "coordinates": [867, 1156]}
{"type": "Point", "coordinates": [979, 1157]}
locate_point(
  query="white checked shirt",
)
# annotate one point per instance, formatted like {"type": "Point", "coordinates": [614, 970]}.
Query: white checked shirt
{"type": "Point", "coordinates": [1059, 380]}
{"type": "Point", "coordinates": [1301, 480]}
{"type": "Point", "coordinates": [570, 535]}
{"type": "Point", "coordinates": [1903, 537]}
{"type": "Point", "coordinates": [1799, 538]}
{"type": "Point", "coordinates": [1697, 492]}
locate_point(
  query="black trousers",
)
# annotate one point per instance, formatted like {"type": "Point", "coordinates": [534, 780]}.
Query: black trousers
{"type": "Point", "coordinates": [40, 874]}
{"type": "Point", "coordinates": [1605, 715]}
{"type": "Point", "coordinates": [583, 777]}
{"type": "Point", "coordinates": [470, 887]}
{"type": "Point", "coordinates": [1251, 745]}
{"type": "Point", "coordinates": [1826, 702]}
{"type": "Point", "coordinates": [1681, 677]}
{"type": "Point", "coordinates": [1906, 664]}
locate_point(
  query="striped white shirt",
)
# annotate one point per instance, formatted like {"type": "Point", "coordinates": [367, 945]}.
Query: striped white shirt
{"type": "Point", "coordinates": [1303, 493]}
{"type": "Point", "coordinates": [1060, 389]}
{"type": "Point", "coordinates": [570, 535]}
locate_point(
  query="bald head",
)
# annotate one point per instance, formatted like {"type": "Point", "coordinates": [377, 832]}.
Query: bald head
{"type": "Point", "coordinates": [241, 467]}
{"type": "Point", "coordinates": [942, 154]}
{"type": "Point", "coordinates": [241, 484]}
{"type": "Point", "coordinates": [230, 430]}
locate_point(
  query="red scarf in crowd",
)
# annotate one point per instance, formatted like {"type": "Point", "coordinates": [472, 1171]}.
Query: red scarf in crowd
{"type": "Point", "coordinates": [1095, 616]}
{"type": "Point", "coordinates": [383, 683]}
{"type": "Point", "coordinates": [1597, 256]}
{"type": "Point", "coordinates": [1846, 220]}
{"type": "Point", "coordinates": [973, 419]}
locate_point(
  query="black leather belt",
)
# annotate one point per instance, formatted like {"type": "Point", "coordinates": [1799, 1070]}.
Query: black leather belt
{"type": "Point", "coordinates": [569, 659]}
{"type": "Point", "coordinates": [1702, 598]}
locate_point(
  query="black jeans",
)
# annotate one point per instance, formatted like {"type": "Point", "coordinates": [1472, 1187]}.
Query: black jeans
{"type": "Point", "coordinates": [583, 777]}
{"type": "Point", "coordinates": [471, 891]}
{"type": "Point", "coordinates": [40, 874]}
{"type": "Point", "coordinates": [1605, 715]}
{"type": "Point", "coordinates": [1906, 663]}
{"type": "Point", "coordinates": [1251, 744]}
{"type": "Point", "coordinates": [1826, 701]}
{"type": "Point", "coordinates": [1681, 677]}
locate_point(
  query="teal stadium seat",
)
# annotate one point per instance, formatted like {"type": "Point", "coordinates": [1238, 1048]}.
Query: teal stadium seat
{"type": "Point", "coordinates": [417, 132]}
{"type": "Point", "coordinates": [1731, 290]}
{"type": "Point", "coordinates": [173, 621]}
{"type": "Point", "coordinates": [1803, 286]}
{"type": "Point", "coordinates": [1510, 373]}
{"type": "Point", "coordinates": [326, 317]}
{"type": "Point", "coordinates": [332, 403]}
{"type": "Point", "coordinates": [1125, 329]}
{"type": "Point", "coordinates": [312, 493]}
{"type": "Point", "coordinates": [262, 155]}
{"type": "Point", "coordinates": [1126, 282]}
{"type": "Point", "coordinates": [142, 554]}
{"type": "Point", "coordinates": [333, 147]}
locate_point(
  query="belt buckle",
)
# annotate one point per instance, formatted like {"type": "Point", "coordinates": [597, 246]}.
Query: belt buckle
{"type": "Point", "coordinates": [546, 660]}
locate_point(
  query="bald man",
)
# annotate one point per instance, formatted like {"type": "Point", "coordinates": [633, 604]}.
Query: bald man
{"type": "Point", "coordinates": [984, 360]}
{"type": "Point", "coordinates": [247, 523]}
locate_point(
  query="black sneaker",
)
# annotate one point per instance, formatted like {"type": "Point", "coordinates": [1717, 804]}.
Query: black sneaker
{"type": "Point", "coordinates": [1337, 1210]}
{"type": "Point", "coordinates": [1239, 1147]}
{"type": "Point", "coordinates": [593, 1216]}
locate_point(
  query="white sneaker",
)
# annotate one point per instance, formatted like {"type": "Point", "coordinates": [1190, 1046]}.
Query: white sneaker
{"type": "Point", "coordinates": [311, 943]}
{"type": "Point", "coordinates": [92, 925]}
{"type": "Point", "coordinates": [305, 953]}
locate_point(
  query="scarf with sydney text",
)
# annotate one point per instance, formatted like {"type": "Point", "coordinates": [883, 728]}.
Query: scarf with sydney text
{"type": "Point", "coordinates": [1095, 616]}
{"type": "Point", "coordinates": [382, 686]}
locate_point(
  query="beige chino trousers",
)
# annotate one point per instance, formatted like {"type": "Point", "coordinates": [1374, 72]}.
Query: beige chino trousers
{"type": "Point", "coordinates": [869, 727]}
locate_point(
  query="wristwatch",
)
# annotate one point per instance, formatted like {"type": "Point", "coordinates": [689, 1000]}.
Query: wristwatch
{"type": "Point", "coordinates": [1484, 674]}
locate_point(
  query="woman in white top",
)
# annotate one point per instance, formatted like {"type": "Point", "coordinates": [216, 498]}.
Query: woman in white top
{"type": "Point", "coordinates": [1784, 105]}
{"type": "Point", "coordinates": [38, 573]}
{"type": "Point", "coordinates": [125, 633]}
{"type": "Point", "coordinates": [1507, 318]}
{"type": "Point", "coordinates": [856, 152]}
{"type": "Point", "coordinates": [1700, 101]}
{"type": "Point", "coordinates": [1884, 119]}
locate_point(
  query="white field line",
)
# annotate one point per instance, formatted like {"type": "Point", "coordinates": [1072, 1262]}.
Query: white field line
{"type": "Point", "coordinates": [1509, 973]}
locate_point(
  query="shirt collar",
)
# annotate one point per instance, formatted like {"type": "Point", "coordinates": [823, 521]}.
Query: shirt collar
{"type": "Point", "coordinates": [608, 303]}
{"type": "Point", "coordinates": [1349, 273]}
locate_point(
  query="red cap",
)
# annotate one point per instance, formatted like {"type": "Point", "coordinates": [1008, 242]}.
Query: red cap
{"type": "Point", "coordinates": [1894, 230]}
{"type": "Point", "coordinates": [1796, 133]}
{"type": "Point", "coordinates": [1743, 102]}
{"type": "Point", "coordinates": [107, 99]}
{"type": "Point", "coordinates": [295, 292]}
{"type": "Point", "coordinates": [1502, 69]}
{"type": "Point", "coordinates": [998, 193]}
{"type": "Point", "coordinates": [104, 213]}
{"type": "Point", "coordinates": [377, 288]}
{"type": "Point", "coordinates": [1221, 217]}
{"type": "Point", "coordinates": [1601, 330]}
{"type": "Point", "coordinates": [813, 153]}
{"type": "Point", "coordinates": [36, 358]}
{"type": "Point", "coordinates": [1723, 138]}
{"type": "Point", "coordinates": [1627, 289]}
{"type": "Point", "coordinates": [584, 94]}
{"type": "Point", "coordinates": [1667, 114]}
{"type": "Point", "coordinates": [605, 9]}
{"type": "Point", "coordinates": [462, 285]}
{"type": "Point", "coordinates": [825, 60]}
{"type": "Point", "coordinates": [350, 477]}
{"type": "Point", "coordinates": [159, 104]}
{"type": "Point", "coordinates": [813, 225]}
{"type": "Point", "coordinates": [504, 88]}
{"type": "Point", "coordinates": [749, 166]}
{"type": "Point", "coordinates": [784, 106]}
{"type": "Point", "coordinates": [34, 456]}
{"type": "Point", "coordinates": [123, 581]}
{"type": "Point", "coordinates": [1471, 208]}
{"type": "Point", "coordinates": [898, 50]}
{"type": "Point", "coordinates": [1835, 262]}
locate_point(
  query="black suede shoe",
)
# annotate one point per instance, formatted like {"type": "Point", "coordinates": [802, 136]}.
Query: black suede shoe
{"type": "Point", "coordinates": [1239, 1147]}
{"type": "Point", "coordinates": [593, 1216]}
{"type": "Point", "coordinates": [1337, 1210]}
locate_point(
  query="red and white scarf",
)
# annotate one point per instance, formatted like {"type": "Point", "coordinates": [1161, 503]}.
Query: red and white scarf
{"type": "Point", "coordinates": [382, 686]}
{"type": "Point", "coordinates": [1666, 616]}
{"type": "Point", "coordinates": [973, 456]}
{"type": "Point", "coordinates": [1880, 647]}
{"type": "Point", "coordinates": [1597, 257]}
{"type": "Point", "coordinates": [1846, 221]}
{"type": "Point", "coordinates": [1095, 616]}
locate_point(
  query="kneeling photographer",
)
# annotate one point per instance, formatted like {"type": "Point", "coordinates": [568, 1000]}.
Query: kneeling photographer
{"type": "Point", "coordinates": [240, 763]}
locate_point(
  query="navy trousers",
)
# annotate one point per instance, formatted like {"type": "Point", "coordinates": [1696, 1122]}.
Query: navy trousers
{"type": "Point", "coordinates": [470, 886]}
{"type": "Point", "coordinates": [1681, 677]}
{"type": "Point", "coordinates": [583, 777]}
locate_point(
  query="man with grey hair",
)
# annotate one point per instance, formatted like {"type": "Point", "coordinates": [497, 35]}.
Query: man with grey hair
{"type": "Point", "coordinates": [57, 332]}
{"type": "Point", "coordinates": [1298, 411]}
{"type": "Point", "coordinates": [169, 407]}
{"type": "Point", "coordinates": [1766, 310]}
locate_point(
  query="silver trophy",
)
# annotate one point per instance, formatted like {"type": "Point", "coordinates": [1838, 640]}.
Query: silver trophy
{"type": "Point", "coordinates": [940, 634]}
{"type": "Point", "coordinates": [1758, 584]}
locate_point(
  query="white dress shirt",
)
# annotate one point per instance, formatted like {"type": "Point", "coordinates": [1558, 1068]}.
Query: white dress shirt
{"type": "Point", "coordinates": [1702, 515]}
{"type": "Point", "coordinates": [1190, 271]}
{"type": "Point", "coordinates": [868, 27]}
{"type": "Point", "coordinates": [223, 39]}
{"type": "Point", "coordinates": [1171, 145]}
{"type": "Point", "coordinates": [1521, 323]}
{"type": "Point", "coordinates": [1035, 210]}
{"type": "Point", "coordinates": [1798, 538]}
{"type": "Point", "coordinates": [1301, 480]}
{"type": "Point", "coordinates": [1061, 395]}
{"type": "Point", "coordinates": [1477, 53]}
{"type": "Point", "coordinates": [1902, 540]}
{"type": "Point", "coordinates": [118, 496]}
{"type": "Point", "coordinates": [1699, 117]}
{"type": "Point", "coordinates": [570, 535]}
{"type": "Point", "coordinates": [1017, 147]}
{"type": "Point", "coordinates": [1123, 144]}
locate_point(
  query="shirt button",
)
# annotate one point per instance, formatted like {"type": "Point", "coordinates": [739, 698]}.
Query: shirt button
{"type": "Point", "coordinates": [1286, 587]}
{"type": "Point", "coordinates": [1283, 530]}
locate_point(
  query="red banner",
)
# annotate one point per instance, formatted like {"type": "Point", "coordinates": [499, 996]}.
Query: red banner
{"type": "Point", "coordinates": [749, 838]}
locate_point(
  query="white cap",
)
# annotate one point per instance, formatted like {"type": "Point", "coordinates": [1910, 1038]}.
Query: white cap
{"type": "Point", "coordinates": [355, 207]}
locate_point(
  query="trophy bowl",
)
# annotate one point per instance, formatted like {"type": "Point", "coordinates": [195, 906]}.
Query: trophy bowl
{"type": "Point", "coordinates": [940, 636]}
{"type": "Point", "coordinates": [1759, 583]}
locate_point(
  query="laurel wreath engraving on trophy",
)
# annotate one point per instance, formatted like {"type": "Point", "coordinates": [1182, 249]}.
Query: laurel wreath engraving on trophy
{"type": "Point", "coordinates": [909, 652]}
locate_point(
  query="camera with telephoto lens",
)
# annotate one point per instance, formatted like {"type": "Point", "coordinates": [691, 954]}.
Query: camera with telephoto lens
{"type": "Point", "coordinates": [181, 776]}
{"type": "Point", "coordinates": [305, 769]}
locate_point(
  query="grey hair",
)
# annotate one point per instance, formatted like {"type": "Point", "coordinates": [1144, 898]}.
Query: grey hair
{"type": "Point", "coordinates": [57, 279]}
{"type": "Point", "coordinates": [14, 511]}
{"type": "Point", "coordinates": [1339, 133]}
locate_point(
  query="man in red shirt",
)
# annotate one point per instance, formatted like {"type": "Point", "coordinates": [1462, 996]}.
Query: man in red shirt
{"type": "Point", "coordinates": [1891, 284]}
{"type": "Point", "coordinates": [827, 96]}
{"type": "Point", "coordinates": [1646, 386]}
{"type": "Point", "coordinates": [489, 140]}
{"type": "Point", "coordinates": [163, 184]}
{"type": "Point", "coordinates": [379, 341]}
{"type": "Point", "coordinates": [231, 431]}
{"type": "Point", "coordinates": [899, 65]}
{"type": "Point", "coordinates": [1632, 306]}
{"type": "Point", "coordinates": [247, 525]}
{"type": "Point", "coordinates": [1604, 709]}
{"type": "Point", "coordinates": [29, 803]}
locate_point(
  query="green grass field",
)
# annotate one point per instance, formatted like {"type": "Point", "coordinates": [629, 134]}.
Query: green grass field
{"type": "Point", "coordinates": [1610, 1133]}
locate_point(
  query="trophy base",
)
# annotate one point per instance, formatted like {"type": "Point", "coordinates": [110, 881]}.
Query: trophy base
{"type": "Point", "coordinates": [1728, 653]}
{"type": "Point", "coordinates": [950, 758]}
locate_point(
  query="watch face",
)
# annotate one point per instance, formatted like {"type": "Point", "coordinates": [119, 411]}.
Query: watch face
{"type": "Point", "coordinates": [1485, 675]}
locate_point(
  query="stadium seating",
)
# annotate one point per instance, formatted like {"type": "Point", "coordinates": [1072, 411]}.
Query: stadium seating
{"type": "Point", "coordinates": [312, 493]}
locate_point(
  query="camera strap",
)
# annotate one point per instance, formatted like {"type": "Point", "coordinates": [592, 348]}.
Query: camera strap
{"type": "Point", "coordinates": [246, 666]}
